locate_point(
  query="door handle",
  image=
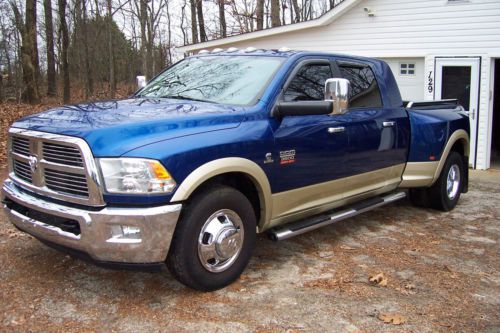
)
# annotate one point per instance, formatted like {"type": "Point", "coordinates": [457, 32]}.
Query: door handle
{"type": "Point", "coordinates": [336, 129]}
{"type": "Point", "coordinates": [473, 114]}
{"type": "Point", "coordinates": [388, 123]}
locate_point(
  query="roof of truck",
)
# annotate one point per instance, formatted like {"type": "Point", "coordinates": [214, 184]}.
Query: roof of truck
{"type": "Point", "coordinates": [283, 52]}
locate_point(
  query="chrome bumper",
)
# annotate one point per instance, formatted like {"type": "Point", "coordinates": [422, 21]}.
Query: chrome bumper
{"type": "Point", "coordinates": [157, 225]}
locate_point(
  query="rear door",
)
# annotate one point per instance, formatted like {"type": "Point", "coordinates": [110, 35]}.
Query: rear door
{"type": "Point", "coordinates": [376, 153]}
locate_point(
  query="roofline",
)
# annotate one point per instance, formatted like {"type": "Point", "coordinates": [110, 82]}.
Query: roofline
{"type": "Point", "coordinates": [323, 20]}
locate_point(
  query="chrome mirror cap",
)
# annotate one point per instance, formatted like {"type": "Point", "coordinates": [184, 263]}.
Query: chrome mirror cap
{"type": "Point", "coordinates": [337, 91]}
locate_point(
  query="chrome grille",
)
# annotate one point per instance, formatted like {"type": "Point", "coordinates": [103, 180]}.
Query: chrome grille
{"type": "Point", "coordinates": [21, 145]}
{"type": "Point", "coordinates": [60, 167]}
{"type": "Point", "coordinates": [23, 171]}
{"type": "Point", "coordinates": [62, 154]}
{"type": "Point", "coordinates": [66, 182]}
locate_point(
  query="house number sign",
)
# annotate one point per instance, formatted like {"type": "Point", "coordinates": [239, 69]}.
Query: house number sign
{"type": "Point", "coordinates": [430, 83]}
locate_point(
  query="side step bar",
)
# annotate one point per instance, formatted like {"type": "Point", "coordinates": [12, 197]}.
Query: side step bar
{"type": "Point", "coordinates": [300, 227]}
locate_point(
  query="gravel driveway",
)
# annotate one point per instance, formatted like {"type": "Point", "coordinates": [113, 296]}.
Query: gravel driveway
{"type": "Point", "coordinates": [440, 273]}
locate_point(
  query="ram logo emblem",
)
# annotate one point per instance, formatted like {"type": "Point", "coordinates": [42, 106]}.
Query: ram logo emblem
{"type": "Point", "coordinates": [33, 162]}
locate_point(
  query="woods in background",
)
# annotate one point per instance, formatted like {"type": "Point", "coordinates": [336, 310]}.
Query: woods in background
{"type": "Point", "coordinates": [49, 47]}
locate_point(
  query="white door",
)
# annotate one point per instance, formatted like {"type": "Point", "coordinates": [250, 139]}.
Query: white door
{"type": "Point", "coordinates": [459, 78]}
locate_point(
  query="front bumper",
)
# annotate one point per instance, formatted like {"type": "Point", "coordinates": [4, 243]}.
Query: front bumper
{"type": "Point", "coordinates": [95, 236]}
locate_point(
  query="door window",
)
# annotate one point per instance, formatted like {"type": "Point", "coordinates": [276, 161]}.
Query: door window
{"type": "Point", "coordinates": [309, 83]}
{"type": "Point", "coordinates": [456, 84]}
{"type": "Point", "coordinates": [364, 88]}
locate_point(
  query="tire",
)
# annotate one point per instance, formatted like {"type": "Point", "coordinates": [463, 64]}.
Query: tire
{"type": "Point", "coordinates": [445, 192]}
{"type": "Point", "coordinates": [437, 196]}
{"type": "Point", "coordinates": [214, 239]}
{"type": "Point", "coordinates": [419, 197]}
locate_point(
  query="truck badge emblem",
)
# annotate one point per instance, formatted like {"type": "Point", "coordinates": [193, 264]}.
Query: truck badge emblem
{"type": "Point", "coordinates": [287, 157]}
{"type": "Point", "coordinates": [269, 158]}
{"type": "Point", "coordinates": [33, 162]}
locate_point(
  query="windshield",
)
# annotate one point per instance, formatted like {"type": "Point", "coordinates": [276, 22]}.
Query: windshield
{"type": "Point", "coordinates": [237, 80]}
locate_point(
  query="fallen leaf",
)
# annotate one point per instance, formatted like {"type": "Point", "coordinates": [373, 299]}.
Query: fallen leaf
{"type": "Point", "coordinates": [409, 286]}
{"type": "Point", "coordinates": [392, 318]}
{"type": "Point", "coordinates": [379, 279]}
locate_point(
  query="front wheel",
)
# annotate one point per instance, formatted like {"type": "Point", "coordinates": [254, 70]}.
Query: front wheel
{"type": "Point", "coordinates": [214, 239]}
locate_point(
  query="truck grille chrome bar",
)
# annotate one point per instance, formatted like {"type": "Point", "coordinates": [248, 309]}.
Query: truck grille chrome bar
{"type": "Point", "coordinates": [61, 167]}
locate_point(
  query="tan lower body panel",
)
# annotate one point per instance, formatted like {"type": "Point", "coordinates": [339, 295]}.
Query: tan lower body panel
{"type": "Point", "coordinates": [419, 174]}
{"type": "Point", "coordinates": [315, 199]}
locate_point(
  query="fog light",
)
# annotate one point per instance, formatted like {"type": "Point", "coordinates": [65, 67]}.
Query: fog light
{"type": "Point", "coordinates": [125, 234]}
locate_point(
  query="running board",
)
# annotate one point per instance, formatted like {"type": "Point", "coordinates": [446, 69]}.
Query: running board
{"type": "Point", "coordinates": [300, 227]}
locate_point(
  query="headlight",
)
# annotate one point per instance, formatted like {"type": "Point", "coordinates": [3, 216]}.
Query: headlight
{"type": "Point", "coordinates": [135, 175]}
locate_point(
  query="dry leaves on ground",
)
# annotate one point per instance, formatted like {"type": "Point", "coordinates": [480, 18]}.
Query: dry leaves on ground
{"type": "Point", "coordinates": [392, 318]}
{"type": "Point", "coordinates": [379, 279]}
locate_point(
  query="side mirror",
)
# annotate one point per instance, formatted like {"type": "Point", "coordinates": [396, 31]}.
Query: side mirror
{"type": "Point", "coordinates": [141, 82]}
{"type": "Point", "coordinates": [337, 92]}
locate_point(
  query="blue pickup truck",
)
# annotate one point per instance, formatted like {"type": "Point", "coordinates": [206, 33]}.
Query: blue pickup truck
{"type": "Point", "coordinates": [224, 145]}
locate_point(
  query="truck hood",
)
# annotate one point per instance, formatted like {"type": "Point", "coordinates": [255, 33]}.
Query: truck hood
{"type": "Point", "coordinates": [112, 128]}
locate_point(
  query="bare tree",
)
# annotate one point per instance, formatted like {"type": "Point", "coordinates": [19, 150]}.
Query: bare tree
{"type": "Point", "coordinates": [296, 9]}
{"type": "Point", "coordinates": [201, 21]}
{"type": "Point", "coordinates": [143, 21]}
{"type": "Point", "coordinates": [49, 40]}
{"type": "Point", "coordinates": [260, 14]}
{"type": "Point", "coordinates": [111, 53]}
{"type": "Point", "coordinates": [275, 13]}
{"type": "Point", "coordinates": [28, 53]}
{"type": "Point", "coordinates": [183, 17]}
{"type": "Point", "coordinates": [63, 27]}
{"type": "Point", "coordinates": [222, 18]}
{"type": "Point", "coordinates": [89, 82]}
{"type": "Point", "coordinates": [194, 27]}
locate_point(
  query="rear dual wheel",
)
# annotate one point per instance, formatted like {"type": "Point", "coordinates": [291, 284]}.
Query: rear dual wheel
{"type": "Point", "coordinates": [445, 192]}
{"type": "Point", "coordinates": [213, 240]}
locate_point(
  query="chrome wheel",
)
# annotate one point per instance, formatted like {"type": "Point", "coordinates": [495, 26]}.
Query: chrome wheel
{"type": "Point", "coordinates": [220, 240]}
{"type": "Point", "coordinates": [453, 181]}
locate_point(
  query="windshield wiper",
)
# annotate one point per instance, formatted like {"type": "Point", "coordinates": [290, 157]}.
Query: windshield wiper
{"type": "Point", "coordinates": [187, 98]}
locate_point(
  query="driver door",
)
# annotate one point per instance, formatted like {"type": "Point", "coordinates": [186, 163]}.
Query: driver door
{"type": "Point", "coordinates": [310, 150]}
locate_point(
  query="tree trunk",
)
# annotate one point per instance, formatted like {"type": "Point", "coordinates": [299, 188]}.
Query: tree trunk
{"type": "Point", "coordinates": [143, 21]}
{"type": "Point", "coordinates": [296, 8]}
{"type": "Point", "coordinates": [49, 38]}
{"type": "Point", "coordinates": [260, 14]}
{"type": "Point", "coordinates": [111, 53]}
{"type": "Point", "coordinates": [275, 13]}
{"type": "Point", "coordinates": [30, 93]}
{"type": "Point", "coordinates": [32, 35]}
{"type": "Point", "coordinates": [201, 22]}
{"type": "Point", "coordinates": [1, 87]}
{"type": "Point", "coordinates": [150, 47]}
{"type": "Point", "coordinates": [89, 82]}
{"type": "Point", "coordinates": [194, 27]}
{"type": "Point", "coordinates": [222, 19]}
{"type": "Point", "coordinates": [169, 35]}
{"type": "Point", "coordinates": [64, 50]}
{"type": "Point", "coordinates": [283, 13]}
{"type": "Point", "coordinates": [183, 17]}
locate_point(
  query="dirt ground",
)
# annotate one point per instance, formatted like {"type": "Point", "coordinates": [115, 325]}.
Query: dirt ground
{"type": "Point", "coordinates": [441, 270]}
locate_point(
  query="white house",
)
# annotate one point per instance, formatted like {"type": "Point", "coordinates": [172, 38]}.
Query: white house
{"type": "Point", "coordinates": [436, 49]}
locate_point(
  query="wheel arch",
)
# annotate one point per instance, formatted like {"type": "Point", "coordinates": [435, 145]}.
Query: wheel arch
{"type": "Point", "coordinates": [240, 167]}
{"type": "Point", "coordinates": [458, 141]}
